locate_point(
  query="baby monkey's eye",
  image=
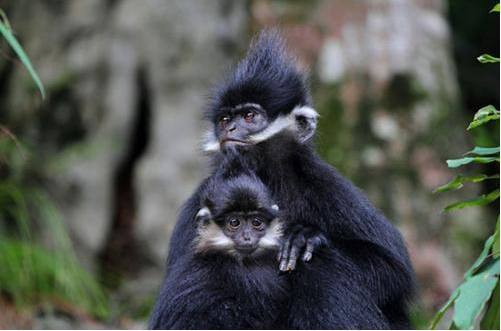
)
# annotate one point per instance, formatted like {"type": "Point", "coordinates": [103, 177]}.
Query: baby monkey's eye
{"type": "Point", "coordinates": [257, 223]}
{"type": "Point", "coordinates": [249, 116]}
{"type": "Point", "coordinates": [234, 223]}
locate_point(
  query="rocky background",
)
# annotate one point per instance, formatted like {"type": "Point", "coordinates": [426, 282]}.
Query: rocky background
{"type": "Point", "coordinates": [116, 142]}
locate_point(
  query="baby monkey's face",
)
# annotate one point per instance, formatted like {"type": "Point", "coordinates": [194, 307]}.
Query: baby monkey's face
{"type": "Point", "coordinates": [237, 233]}
{"type": "Point", "coordinates": [245, 230]}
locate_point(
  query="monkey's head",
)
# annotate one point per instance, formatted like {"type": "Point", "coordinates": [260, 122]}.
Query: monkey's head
{"type": "Point", "coordinates": [266, 96]}
{"type": "Point", "coordinates": [238, 218]}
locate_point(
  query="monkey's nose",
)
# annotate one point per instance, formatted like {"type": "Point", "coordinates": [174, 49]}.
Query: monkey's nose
{"type": "Point", "coordinates": [232, 128]}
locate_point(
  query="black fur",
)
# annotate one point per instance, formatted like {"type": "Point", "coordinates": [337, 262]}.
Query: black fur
{"type": "Point", "coordinates": [363, 277]}
{"type": "Point", "coordinates": [216, 291]}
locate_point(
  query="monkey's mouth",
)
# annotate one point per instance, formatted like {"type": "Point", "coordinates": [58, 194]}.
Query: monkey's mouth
{"type": "Point", "coordinates": [234, 142]}
{"type": "Point", "coordinates": [246, 250]}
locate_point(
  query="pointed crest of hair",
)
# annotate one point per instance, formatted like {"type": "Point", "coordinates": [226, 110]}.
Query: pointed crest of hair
{"type": "Point", "coordinates": [268, 76]}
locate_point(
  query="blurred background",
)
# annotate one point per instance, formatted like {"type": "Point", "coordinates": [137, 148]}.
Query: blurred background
{"type": "Point", "coordinates": [92, 177]}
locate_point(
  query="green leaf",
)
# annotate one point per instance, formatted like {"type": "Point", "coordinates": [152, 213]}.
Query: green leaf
{"type": "Point", "coordinates": [495, 245]}
{"type": "Point", "coordinates": [486, 58]}
{"type": "Point", "coordinates": [459, 180]}
{"type": "Point", "coordinates": [482, 121]}
{"type": "Point", "coordinates": [438, 317]}
{"type": "Point", "coordinates": [482, 200]}
{"type": "Point", "coordinates": [473, 295]}
{"type": "Point", "coordinates": [4, 20]}
{"type": "Point", "coordinates": [484, 150]}
{"type": "Point", "coordinates": [455, 163]}
{"type": "Point", "coordinates": [484, 111]}
{"type": "Point", "coordinates": [495, 8]}
{"type": "Point", "coordinates": [490, 321]}
{"type": "Point", "coordinates": [12, 41]}
{"type": "Point", "coordinates": [481, 258]}
{"type": "Point", "coordinates": [484, 115]}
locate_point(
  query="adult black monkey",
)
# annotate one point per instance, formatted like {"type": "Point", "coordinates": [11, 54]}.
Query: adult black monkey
{"type": "Point", "coordinates": [361, 276]}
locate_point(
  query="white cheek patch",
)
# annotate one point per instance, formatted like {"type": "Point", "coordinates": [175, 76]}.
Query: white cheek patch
{"type": "Point", "coordinates": [278, 125]}
{"type": "Point", "coordinates": [210, 142]}
{"type": "Point", "coordinates": [272, 237]}
{"type": "Point", "coordinates": [289, 122]}
{"type": "Point", "coordinates": [305, 111]}
{"type": "Point", "coordinates": [311, 117]}
{"type": "Point", "coordinates": [211, 237]}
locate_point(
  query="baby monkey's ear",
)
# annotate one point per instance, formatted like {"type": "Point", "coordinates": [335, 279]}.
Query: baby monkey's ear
{"type": "Point", "coordinates": [274, 211]}
{"type": "Point", "coordinates": [203, 216]}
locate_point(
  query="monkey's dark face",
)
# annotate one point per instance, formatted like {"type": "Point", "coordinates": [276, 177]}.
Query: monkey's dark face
{"type": "Point", "coordinates": [237, 124]}
{"type": "Point", "coordinates": [246, 230]}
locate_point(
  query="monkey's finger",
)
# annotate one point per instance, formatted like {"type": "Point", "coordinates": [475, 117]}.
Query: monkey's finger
{"type": "Point", "coordinates": [297, 246]}
{"type": "Point", "coordinates": [283, 264]}
{"type": "Point", "coordinates": [294, 254]}
{"type": "Point", "coordinates": [311, 244]}
{"type": "Point", "coordinates": [283, 247]}
{"type": "Point", "coordinates": [279, 254]}
{"type": "Point", "coordinates": [285, 254]}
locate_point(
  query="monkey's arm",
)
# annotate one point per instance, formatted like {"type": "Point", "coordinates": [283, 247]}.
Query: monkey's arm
{"type": "Point", "coordinates": [326, 204]}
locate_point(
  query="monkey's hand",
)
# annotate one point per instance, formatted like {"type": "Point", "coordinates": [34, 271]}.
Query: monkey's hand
{"type": "Point", "coordinates": [301, 240]}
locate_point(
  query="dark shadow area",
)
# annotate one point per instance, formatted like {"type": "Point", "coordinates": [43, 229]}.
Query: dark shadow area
{"type": "Point", "coordinates": [122, 254]}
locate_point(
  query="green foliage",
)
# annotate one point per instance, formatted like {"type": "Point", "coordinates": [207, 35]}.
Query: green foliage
{"type": "Point", "coordinates": [465, 160]}
{"type": "Point", "coordinates": [482, 200]}
{"type": "Point", "coordinates": [7, 33]}
{"type": "Point", "coordinates": [484, 150]}
{"type": "Point", "coordinates": [484, 115]}
{"type": "Point", "coordinates": [479, 292]}
{"type": "Point", "coordinates": [473, 296]}
{"type": "Point", "coordinates": [30, 272]}
{"type": "Point", "coordinates": [459, 180]}
{"type": "Point", "coordinates": [486, 58]}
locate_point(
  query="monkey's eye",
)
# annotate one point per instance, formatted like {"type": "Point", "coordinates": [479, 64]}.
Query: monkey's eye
{"type": "Point", "coordinates": [257, 223]}
{"type": "Point", "coordinates": [224, 120]}
{"type": "Point", "coordinates": [234, 223]}
{"type": "Point", "coordinates": [248, 117]}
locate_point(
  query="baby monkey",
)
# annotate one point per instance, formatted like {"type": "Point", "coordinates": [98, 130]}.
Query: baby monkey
{"type": "Point", "coordinates": [231, 280]}
{"type": "Point", "coordinates": [238, 219]}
